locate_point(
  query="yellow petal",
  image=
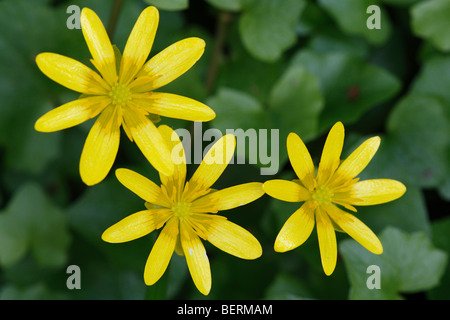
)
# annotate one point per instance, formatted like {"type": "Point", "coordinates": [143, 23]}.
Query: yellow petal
{"type": "Point", "coordinates": [139, 44]}
{"type": "Point", "coordinates": [376, 191]}
{"type": "Point", "coordinates": [214, 162]}
{"type": "Point", "coordinates": [327, 241]}
{"type": "Point", "coordinates": [331, 153]}
{"type": "Point", "coordinates": [286, 190]}
{"type": "Point", "coordinates": [233, 239]}
{"type": "Point", "coordinates": [130, 228]}
{"type": "Point", "coordinates": [231, 197]}
{"type": "Point", "coordinates": [300, 160]}
{"type": "Point", "coordinates": [71, 73]}
{"type": "Point", "coordinates": [161, 253]}
{"type": "Point", "coordinates": [359, 159]}
{"type": "Point", "coordinates": [196, 258]}
{"type": "Point", "coordinates": [149, 140]}
{"type": "Point", "coordinates": [141, 186]}
{"type": "Point", "coordinates": [355, 229]}
{"type": "Point", "coordinates": [100, 148]}
{"type": "Point", "coordinates": [174, 106]}
{"type": "Point", "coordinates": [178, 247]}
{"type": "Point", "coordinates": [177, 155]}
{"type": "Point", "coordinates": [171, 63]}
{"type": "Point", "coordinates": [71, 114]}
{"type": "Point", "coordinates": [99, 44]}
{"type": "Point", "coordinates": [296, 230]}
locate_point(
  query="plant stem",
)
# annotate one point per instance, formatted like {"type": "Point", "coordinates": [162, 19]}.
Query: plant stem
{"type": "Point", "coordinates": [222, 27]}
{"type": "Point", "coordinates": [211, 76]}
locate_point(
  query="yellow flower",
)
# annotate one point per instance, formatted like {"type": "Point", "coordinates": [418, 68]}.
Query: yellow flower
{"type": "Point", "coordinates": [120, 94]}
{"type": "Point", "coordinates": [335, 185]}
{"type": "Point", "coordinates": [183, 207]}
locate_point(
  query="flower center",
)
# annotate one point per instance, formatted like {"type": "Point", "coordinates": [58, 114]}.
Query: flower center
{"type": "Point", "coordinates": [322, 195]}
{"type": "Point", "coordinates": [119, 94]}
{"type": "Point", "coordinates": [182, 209]}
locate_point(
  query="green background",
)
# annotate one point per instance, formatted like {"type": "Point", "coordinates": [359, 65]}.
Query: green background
{"type": "Point", "coordinates": [293, 65]}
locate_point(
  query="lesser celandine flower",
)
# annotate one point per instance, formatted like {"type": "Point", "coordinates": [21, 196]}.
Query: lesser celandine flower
{"type": "Point", "coordinates": [185, 208]}
{"type": "Point", "coordinates": [121, 94]}
{"type": "Point", "coordinates": [334, 186]}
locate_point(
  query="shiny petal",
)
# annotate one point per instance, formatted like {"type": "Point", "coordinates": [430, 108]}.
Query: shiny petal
{"type": "Point", "coordinates": [139, 44]}
{"type": "Point", "coordinates": [355, 229]}
{"type": "Point", "coordinates": [286, 190]}
{"type": "Point", "coordinates": [100, 148]}
{"type": "Point", "coordinates": [233, 239]}
{"type": "Point", "coordinates": [215, 161]}
{"type": "Point", "coordinates": [231, 197]}
{"type": "Point", "coordinates": [196, 258]}
{"type": "Point", "coordinates": [130, 228]}
{"type": "Point", "coordinates": [99, 44]}
{"type": "Point", "coordinates": [301, 160]}
{"type": "Point", "coordinates": [149, 140]}
{"type": "Point", "coordinates": [174, 106]}
{"type": "Point", "coordinates": [71, 114]}
{"type": "Point", "coordinates": [171, 63]}
{"type": "Point", "coordinates": [376, 191]}
{"type": "Point", "coordinates": [359, 159]}
{"type": "Point", "coordinates": [177, 155]}
{"type": "Point", "coordinates": [296, 230]}
{"type": "Point", "coordinates": [327, 241]}
{"type": "Point", "coordinates": [331, 153]}
{"type": "Point", "coordinates": [71, 73]}
{"type": "Point", "coordinates": [141, 186]}
{"type": "Point", "coordinates": [161, 253]}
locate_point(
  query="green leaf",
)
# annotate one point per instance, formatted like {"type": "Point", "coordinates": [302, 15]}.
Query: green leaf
{"type": "Point", "coordinates": [101, 206]}
{"type": "Point", "coordinates": [228, 5]}
{"type": "Point", "coordinates": [25, 92]}
{"type": "Point", "coordinates": [267, 27]}
{"type": "Point", "coordinates": [245, 73]}
{"type": "Point", "coordinates": [441, 230]}
{"type": "Point", "coordinates": [241, 114]}
{"type": "Point", "coordinates": [417, 142]}
{"type": "Point", "coordinates": [444, 189]}
{"type": "Point", "coordinates": [287, 287]}
{"type": "Point", "coordinates": [350, 85]}
{"type": "Point", "coordinates": [296, 102]}
{"type": "Point", "coordinates": [430, 21]}
{"type": "Point", "coordinates": [335, 41]}
{"type": "Point", "coordinates": [235, 109]}
{"type": "Point", "coordinates": [14, 240]}
{"type": "Point", "coordinates": [351, 16]}
{"type": "Point", "coordinates": [409, 263]}
{"type": "Point", "coordinates": [32, 222]}
{"type": "Point", "coordinates": [420, 264]}
{"type": "Point", "coordinates": [416, 148]}
{"type": "Point", "coordinates": [37, 291]}
{"type": "Point", "coordinates": [295, 105]}
{"type": "Point", "coordinates": [408, 213]}
{"type": "Point", "coordinates": [431, 80]}
{"type": "Point", "coordinates": [401, 3]}
{"type": "Point", "coordinates": [31, 151]}
{"type": "Point", "coordinates": [171, 5]}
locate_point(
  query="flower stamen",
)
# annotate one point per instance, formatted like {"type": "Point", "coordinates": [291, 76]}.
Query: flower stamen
{"type": "Point", "coordinates": [181, 209]}
{"type": "Point", "coordinates": [322, 195]}
{"type": "Point", "coordinates": [120, 94]}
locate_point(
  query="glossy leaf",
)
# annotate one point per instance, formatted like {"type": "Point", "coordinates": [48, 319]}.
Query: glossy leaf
{"type": "Point", "coordinates": [410, 263]}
